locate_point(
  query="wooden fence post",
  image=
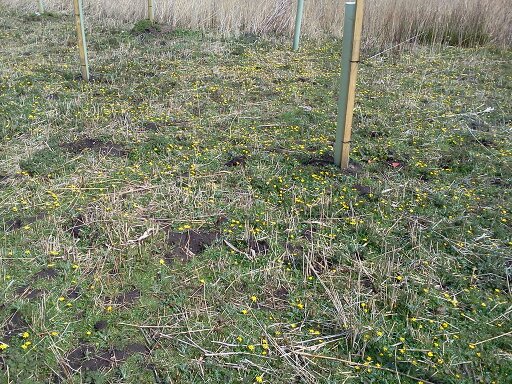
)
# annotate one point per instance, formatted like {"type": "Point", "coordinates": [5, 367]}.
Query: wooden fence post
{"type": "Point", "coordinates": [350, 62]}
{"type": "Point", "coordinates": [82, 44]}
{"type": "Point", "coordinates": [151, 11]}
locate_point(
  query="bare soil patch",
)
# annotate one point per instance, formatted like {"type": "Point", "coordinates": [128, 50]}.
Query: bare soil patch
{"type": "Point", "coordinates": [188, 244]}
{"type": "Point", "coordinates": [236, 161]}
{"type": "Point", "coordinates": [85, 357]}
{"type": "Point", "coordinates": [107, 148]}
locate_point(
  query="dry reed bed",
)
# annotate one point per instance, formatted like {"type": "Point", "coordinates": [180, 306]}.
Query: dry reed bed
{"type": "Point", "coordinates": [458, 22]}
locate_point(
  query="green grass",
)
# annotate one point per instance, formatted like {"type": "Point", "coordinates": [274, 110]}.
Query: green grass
{"type": "Point", "coordinates": [397, 269]}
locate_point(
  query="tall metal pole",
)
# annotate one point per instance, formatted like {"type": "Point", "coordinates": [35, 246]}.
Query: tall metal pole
{"type": "Point", "coordinates": [298, 24]}
{"type": "Point", "coordinates": [350, 62]}
{"type": "Point", "coordinates": [151, 11]}
{"type": "Point", "coordinates": [40, 6]}
{"type": "Point", "coordinates": [82, 44]}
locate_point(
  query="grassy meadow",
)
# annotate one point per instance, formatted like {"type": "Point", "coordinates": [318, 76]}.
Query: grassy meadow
{"type": "Point", "coordinates": [178, 218]}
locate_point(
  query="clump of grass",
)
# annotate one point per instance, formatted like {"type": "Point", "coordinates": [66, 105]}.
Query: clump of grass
{"type": "Point", "coordinates": [145, 26]}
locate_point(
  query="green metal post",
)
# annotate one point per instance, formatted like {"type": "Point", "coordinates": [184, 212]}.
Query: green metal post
{"type": "Point", "coordinates": [298, 24]}
{"type": "Point", "coordinates": [346, 56]}
{"type": "Point", "coordinates": [82, 44]}
{"type": "Point", "coordinates": [40, 6]}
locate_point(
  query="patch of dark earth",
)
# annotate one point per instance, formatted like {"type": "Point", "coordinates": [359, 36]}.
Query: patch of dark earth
{"type": "Point", "coordinates": [85, 357]}
{"type": "Point", "coordinates": [236, 161]}
{"type": "Point", "coordinates": [257, 247]}
{"type": "Point", "coordinates": [73, 293]}
{"type": "Point", "coordinates": [96, 145]}
{"type": "Point", "coordinates": [29, 293]}
{"type": "Point", "coordinates": [126, 298]}
{"type": "Point", "coordinates": [45, 274]}
{"type": "Point", "coordinates": [188, 244]}
{"type": "Point", "coordinates": [14, 325]}
{"type": "Point", "coordinates": [75, 226]}
{"type": "Point", "coordinates": [328, 160]}
{"type": "Point", "coordinates": [100, 325]}
{"type": "Point", "coordinates": [363, 190]}
{"type": "Point", "coordinates": [18, 222]}
{"type": "Point", "coordinates": [150, 126]}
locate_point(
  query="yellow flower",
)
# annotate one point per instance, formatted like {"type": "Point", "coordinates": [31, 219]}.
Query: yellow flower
{"type": "Point", "coordinates": [3, 346]}
{"type": "Point", "coordinates": [25, 335]}
{"type": "Point", "coordinates": [254, 299]}
{"type": "Point", "coordinates": [109, 308]}
{"type": "Point", "coordinates": [26, 345]}
{"type": "Point", "coordinates": [472, 346]}
{"type": "Point", "coordinates": [259, 379]}
{"type": "Point", "coordinates": [162, 262]}
{"type": "Point", "coordinates": [251, 347]}
{"type": "Point", "coordinates": [54, 333]}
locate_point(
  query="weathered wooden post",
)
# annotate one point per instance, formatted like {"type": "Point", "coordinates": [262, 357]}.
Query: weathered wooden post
{"type": "Point", "coordinates": [82, 44]}
{"type": "Point", "coordinates": [349, 65]}
{"type": "Point", "coordinates": [151, 11]}
{"type": "Point", "coordinates": [298, 24]}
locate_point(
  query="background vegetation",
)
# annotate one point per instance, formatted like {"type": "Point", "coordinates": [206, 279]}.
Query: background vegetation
{"type": "Point", "coordinates": [459, 22]}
